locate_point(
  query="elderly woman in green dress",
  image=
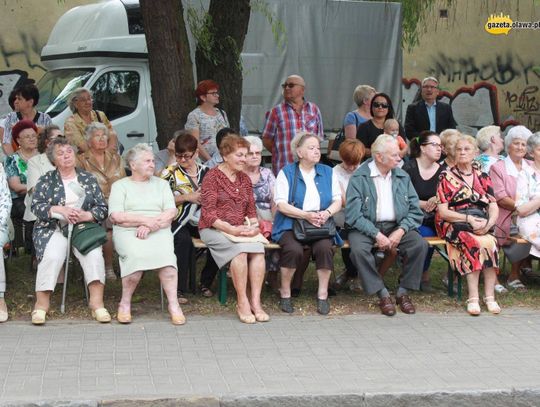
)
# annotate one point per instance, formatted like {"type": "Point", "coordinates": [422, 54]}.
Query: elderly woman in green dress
{"type": "Point", "coordinates": [141, 208]}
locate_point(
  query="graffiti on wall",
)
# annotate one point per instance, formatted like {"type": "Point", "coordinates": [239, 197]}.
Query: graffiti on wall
{"type": "Point", "coordinates": [525, 104]}
{"type": "Point", "coordinates": [499, 69]}
{"type": "Point", "coordinates": [502, 88]}
{"type": "Point", "coordinates": [8, 81]}
{"type": "Point", "coordinates": [26, 48]}
{"type": "Point", "coordinates": [23, 53]}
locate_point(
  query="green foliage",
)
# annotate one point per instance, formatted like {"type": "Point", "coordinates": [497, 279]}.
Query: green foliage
{"type": "Point", "coordinates": [212, 46]}
{"type": "Point", "coordinates": [415, 14]}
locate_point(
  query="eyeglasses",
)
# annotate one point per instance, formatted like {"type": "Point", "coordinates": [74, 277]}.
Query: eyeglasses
{"type": "Point", "coordinates": [213, 93]}
{"type": "Point", "coordinates": [100, 136]}
{"type": "Point", "coordinates": [28, 137]}
{"type": "Point", "coordinates": [254, 153]}
{"type": "Point", "coordinates": [381, 105]}
{"type": "Point", "coordinates": [290, 85]}
{"type": "Point", "coordinates": [83, 99]}
{"type": "Point", "coordinates": [187, 156]}
{"type": "Point", "coordinates": [432, 143]}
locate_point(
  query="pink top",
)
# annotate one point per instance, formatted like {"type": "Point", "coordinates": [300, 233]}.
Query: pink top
{"type": "Point", "coordinates": [504, 177]}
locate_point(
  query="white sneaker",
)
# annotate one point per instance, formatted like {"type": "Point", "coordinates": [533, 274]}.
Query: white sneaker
{"type": "Point", "coordinates": [500, 289]}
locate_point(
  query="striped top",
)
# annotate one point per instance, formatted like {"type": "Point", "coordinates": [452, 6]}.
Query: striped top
{"type": "Point", "coordinates": [281, 126]}
{"type": "Point", "coordinates": [41, 120]}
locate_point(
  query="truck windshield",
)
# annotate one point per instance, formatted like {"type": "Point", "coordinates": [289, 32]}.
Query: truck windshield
{"type": "Point", "coordinates": [56, 86]}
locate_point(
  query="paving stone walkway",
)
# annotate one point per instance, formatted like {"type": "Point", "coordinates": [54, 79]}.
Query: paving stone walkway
{"type": "Point", "coordinates": [291, 355]}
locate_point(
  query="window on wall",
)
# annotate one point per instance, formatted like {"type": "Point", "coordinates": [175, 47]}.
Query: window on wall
{"type": "Point", "coordinates": [116, 93]}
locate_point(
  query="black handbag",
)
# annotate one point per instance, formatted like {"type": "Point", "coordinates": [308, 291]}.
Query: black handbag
{"type": "Point", "coordinates": [306, 232]}
{"type": "Point", "coordinates": [476, 212]}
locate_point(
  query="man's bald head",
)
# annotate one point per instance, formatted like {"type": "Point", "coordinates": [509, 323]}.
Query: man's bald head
{"type": "Point", "coordinates": [297, 79]}
{"type": "Point", "coordinates": [293, 89]}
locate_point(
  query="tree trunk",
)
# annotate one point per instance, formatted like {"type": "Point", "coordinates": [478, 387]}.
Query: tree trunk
{"type": "Point", "coordinates": [230, 24]}
{"type": "Point", "coordinates": [171, 72]}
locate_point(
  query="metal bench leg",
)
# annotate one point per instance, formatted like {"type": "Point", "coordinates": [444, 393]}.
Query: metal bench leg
{"type": "Point", "coordinates": [450, 277]}
{"type": "Point", "coordinates": [222, 285]}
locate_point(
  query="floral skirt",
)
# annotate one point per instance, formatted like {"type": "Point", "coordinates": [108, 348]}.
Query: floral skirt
{"type": "Point", "coordinates": [469, 253]}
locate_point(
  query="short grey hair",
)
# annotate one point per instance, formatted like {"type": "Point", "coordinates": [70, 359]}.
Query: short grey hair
{"type": "Point", "coordinates": [299, 140]}
{"type": "Point", "coordinates": [255, 141]}
{"type": "Point", "coordinates": [516, 132]}
{"type": "Point", "coordinates": [430, 78]}
{"type": "Point", "coordinates": [76, 94]}
{"type": "Point", "coordinates": [361, 93]}
{"type": "Point", "coordinates": [381, 144]}
{"type": "Point", "coordinates": [92, 127]}
{"type": "Point", "coordinates": [467, 139]}
{"type": "Point", "coordinates": [484, 136]}
{"type": "Point", "coordinates": [134, 152]}
{"type": "Point", "coordinates": [533, 142]}
{"type": "Point", "coordinates": [57, 142]}
{"type": "Point", "coordinates": [448, 134]}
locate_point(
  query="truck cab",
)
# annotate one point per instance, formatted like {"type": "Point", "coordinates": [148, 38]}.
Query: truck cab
{"type": "Point", "coordinates": [101, 47]}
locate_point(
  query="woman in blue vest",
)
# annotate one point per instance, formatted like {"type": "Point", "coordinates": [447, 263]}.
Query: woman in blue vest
{"type": "Point", "coordinates": [307, 191]}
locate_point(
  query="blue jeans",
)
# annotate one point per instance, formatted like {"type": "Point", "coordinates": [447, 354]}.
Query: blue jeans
{"type": "Point", "coordinates": [426, 231]}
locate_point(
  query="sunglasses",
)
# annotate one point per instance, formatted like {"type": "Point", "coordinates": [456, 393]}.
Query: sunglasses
{"type": "Point", "coordinates": [381, 105]}
{"type": "Point", "coordinates": [289, 85]}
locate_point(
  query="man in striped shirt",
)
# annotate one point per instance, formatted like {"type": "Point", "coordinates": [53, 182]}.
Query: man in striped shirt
{"type": "Point", "coordinates": [285, 119]}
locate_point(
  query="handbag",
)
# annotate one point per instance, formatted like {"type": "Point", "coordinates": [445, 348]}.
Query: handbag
{"type": "Point", "coordinates": [306, 232]}
{"type": "Point", "coordinates": [86, 236]}
{"type": "Point", "coordinates": [476, 212]}
{"type": "Point", "coordinates": [258, 238]}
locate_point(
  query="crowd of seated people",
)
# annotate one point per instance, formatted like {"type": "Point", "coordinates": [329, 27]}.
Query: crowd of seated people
{"type": "Point", "coordinates": [395, 186]}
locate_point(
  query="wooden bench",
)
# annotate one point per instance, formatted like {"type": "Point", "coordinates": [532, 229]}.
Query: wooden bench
{"type": "Point", "coordinates": [437, 243]}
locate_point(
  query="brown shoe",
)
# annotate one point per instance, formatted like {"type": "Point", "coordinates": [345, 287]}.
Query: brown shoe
{"type": "Point", "coordinates": [405, 304]}
{"type": "Point", "coordinates": [387, 306]}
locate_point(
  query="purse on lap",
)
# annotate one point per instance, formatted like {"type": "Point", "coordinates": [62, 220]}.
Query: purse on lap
{"type": "Point", "coordinates": [306, 232]}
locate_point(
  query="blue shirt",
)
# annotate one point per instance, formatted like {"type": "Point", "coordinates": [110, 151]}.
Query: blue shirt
{"type": "Point", "coordinates": [431, 112]}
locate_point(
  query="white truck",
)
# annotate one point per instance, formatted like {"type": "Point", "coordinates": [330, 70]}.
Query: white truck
{"type": "Point", "coordinates": [334, 45]}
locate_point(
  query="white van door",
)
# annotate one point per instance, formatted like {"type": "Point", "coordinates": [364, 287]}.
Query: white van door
{"type": "Point", "coordinates": [122, 92]}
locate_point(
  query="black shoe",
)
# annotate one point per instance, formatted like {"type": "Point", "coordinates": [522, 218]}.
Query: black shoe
{"type": "Point", "coordinates": [323, 306]}
{"type": "Point", "coordinates": [286, 305]}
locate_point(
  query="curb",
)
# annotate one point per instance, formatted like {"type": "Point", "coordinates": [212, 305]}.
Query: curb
{"type": "Point", "coordinates": [493, 398]}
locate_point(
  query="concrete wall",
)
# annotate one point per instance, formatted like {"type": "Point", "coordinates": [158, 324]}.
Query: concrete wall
{"type": "Point", "coordinates": [487, 78]}
{"type": "Point", "coordinates": [24, 28]}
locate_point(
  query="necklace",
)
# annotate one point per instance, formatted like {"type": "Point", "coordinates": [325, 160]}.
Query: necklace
{"type": "Point", "coordinates": [465, 174]}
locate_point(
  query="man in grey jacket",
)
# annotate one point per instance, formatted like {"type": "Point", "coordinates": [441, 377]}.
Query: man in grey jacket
{"type": "Point", "coordinates": [383, 213]}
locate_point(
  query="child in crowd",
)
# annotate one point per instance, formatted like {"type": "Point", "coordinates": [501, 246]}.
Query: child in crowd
{"type": "Point", "coordinates": [391, 127]}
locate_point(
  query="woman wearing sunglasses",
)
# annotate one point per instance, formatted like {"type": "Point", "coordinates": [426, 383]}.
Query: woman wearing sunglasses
{"type": "Point", "coordinates": [381, 110]}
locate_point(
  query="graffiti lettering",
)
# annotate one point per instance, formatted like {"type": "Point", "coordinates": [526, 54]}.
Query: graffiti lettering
{"type": "Point", "coordinates": [8, 81]}
{"type": "Point", "coordinates": [525, 103]}
{"type": "Point", "coordinates": [502, 70]}
{"type": "Point", "coordinates": [28, 47]}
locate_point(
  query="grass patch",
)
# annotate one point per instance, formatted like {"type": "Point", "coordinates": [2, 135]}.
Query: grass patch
{"type": "Point", "coordinates": [20, 295]}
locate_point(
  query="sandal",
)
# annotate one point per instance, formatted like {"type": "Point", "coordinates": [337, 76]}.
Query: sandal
{"type": "Point", "coordinates": [39, 316]}
{"type": "Point", "coordinates": [206, 292]}
{"type": "Point", "coordinates": [516, 285]}
{"type": "Point", "coordinates": [182, 300]}
{"type": "Point", "coordinates": [473, 307]}
{"type": "Point", "coordinates": [101, 315]}
{"type": "Point", "coordinates": [500, 289]}
{"type": "Point", "coordinates": [492, 305]}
